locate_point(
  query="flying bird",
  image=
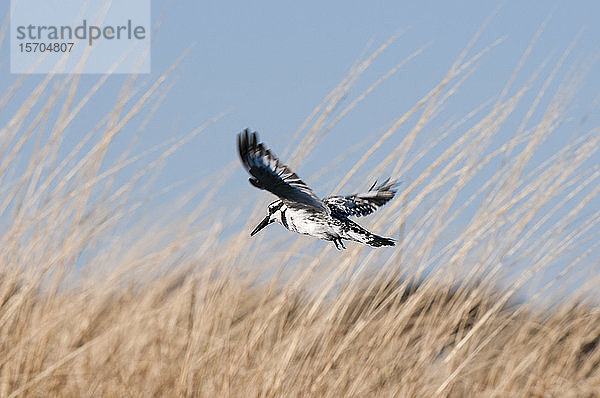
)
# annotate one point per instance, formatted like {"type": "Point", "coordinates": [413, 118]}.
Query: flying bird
{"type": "Point", "coordinates": [300, 210]}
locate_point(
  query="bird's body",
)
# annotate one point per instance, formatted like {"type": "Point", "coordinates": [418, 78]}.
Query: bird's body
{"type": "Point", "coordinates": [332, 226]}
{"type": "Point", "coordinates": [300, 210]}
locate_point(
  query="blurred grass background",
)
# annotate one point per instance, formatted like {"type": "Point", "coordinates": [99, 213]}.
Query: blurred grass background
{"type": "Point", "coordinates": [103, 294]}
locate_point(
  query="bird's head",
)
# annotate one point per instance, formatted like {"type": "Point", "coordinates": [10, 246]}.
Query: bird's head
{"type": "Point", "coordinates": [273, 214]}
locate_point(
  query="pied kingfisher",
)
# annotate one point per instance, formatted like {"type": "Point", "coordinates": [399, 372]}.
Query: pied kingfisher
{"type": "Point", "coordinates": [300, 210]}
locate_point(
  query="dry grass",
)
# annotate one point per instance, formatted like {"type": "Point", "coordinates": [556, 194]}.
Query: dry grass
{"type": "Point", "coordinates": [94, 305]}
{"type": "Point", "coordinates": [191, 334]}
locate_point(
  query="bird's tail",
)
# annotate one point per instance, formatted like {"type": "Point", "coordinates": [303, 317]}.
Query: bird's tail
{"type": "Point", "coordinates": [377, 241]}
{"type": "Point", "coordinates": [360, 234]}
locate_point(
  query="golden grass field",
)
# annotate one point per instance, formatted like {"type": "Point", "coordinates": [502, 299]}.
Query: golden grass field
{"type": "Point", "coordinates": [93, 303]}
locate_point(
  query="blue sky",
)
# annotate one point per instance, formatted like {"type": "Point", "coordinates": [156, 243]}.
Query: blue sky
{"type": "Point", "coordinates": [268, 64]}
{"type": "Point", "coordinates": [271, 63]}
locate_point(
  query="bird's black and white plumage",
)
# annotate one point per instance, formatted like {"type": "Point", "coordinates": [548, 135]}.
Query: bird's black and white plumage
{"type": "Point", "coordinates": [300, 210]}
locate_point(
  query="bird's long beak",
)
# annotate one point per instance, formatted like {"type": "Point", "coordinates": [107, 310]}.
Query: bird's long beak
{"type": "Point", "coordinates": [260, 226]}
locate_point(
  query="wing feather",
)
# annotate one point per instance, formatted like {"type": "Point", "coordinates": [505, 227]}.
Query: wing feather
{"type": "Point", "coordinates": [271, 175]}
{"type": "Point", "coordinates": [362, 204]}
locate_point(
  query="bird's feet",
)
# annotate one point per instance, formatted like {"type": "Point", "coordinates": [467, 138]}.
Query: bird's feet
{"type": "Point", "coordinates": [339, 244]}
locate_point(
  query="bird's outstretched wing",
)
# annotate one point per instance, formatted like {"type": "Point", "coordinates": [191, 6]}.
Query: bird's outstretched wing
{"type": "Point", "coordinates": [362, 204]}
{"type": "Point", "coordinates": [272, 175]}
